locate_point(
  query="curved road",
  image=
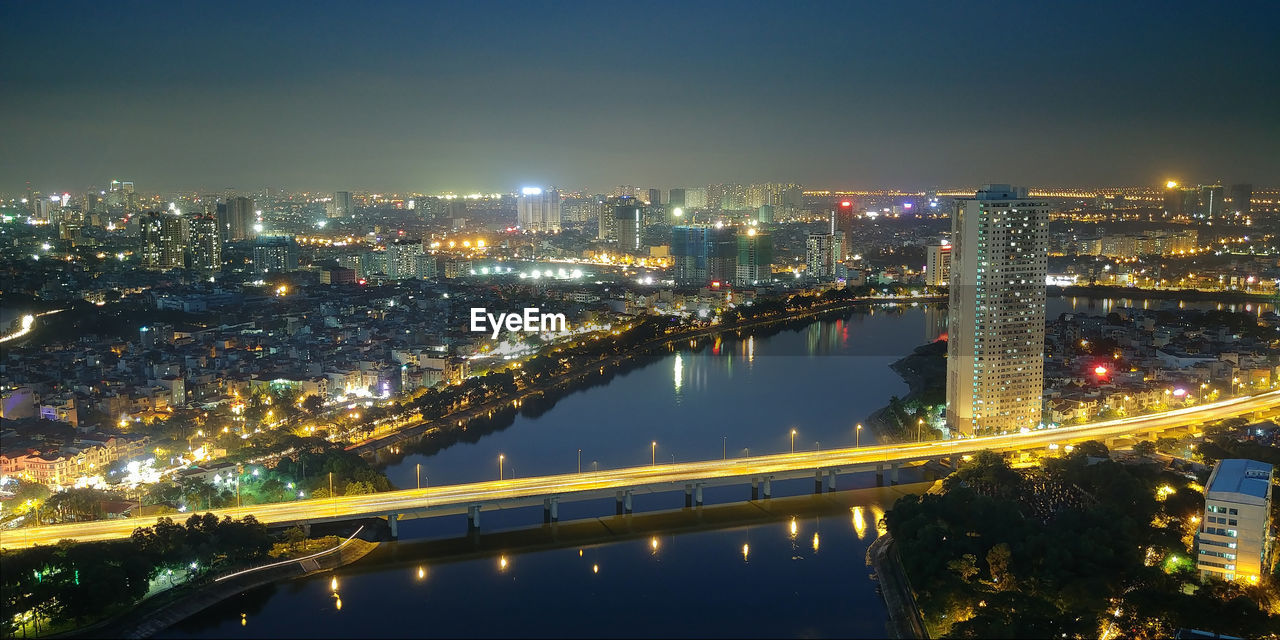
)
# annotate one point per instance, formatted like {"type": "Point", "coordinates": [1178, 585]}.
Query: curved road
{"type": "Point", "coordinates": [666, 477]}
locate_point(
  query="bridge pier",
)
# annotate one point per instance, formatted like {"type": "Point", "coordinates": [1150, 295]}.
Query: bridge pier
{"type": "Point", "coordinates": [697, 494]}
{"type": "Point", "coordinates": [618, 504]}
{"type": "Point", "coordinates": [473, 517]}
{"type": "Point", "coordinates": [879, 474]}
{"type": "Point", "coordinates": [755, 488]}
{"type": "Point", "coordinates": [893, 473]}
{"type": "Point", "coordinates": [550, 510]}
{"type": "Point", "coordinates": [831, 479]}
{"type": "Point", "coordinates": [393, 520]}
{"type": "Point", "coordinates": [688, 496]}
{"type": "Point", "coordinates": [626, 501]}
{"type": "Point", "coordinates": [768, 487]}
{"type": "Point", "coordinates": [817, 481]}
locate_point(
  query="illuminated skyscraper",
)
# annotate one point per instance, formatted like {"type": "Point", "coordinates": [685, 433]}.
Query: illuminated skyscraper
{"type": "Point", "coordinates": [822, 252]}
{"type": "Point", "coordinates": [538, 210]}
{"type": "Point", "coordinates": [206, 244]}
{"type": "Point", "coordinates": [703, 254]}
{"type": "Point", "coordinates": [995, 353]}
{"type": "Point", "coordinates": [937, 269]}
{"type": "Point", "coordinates": [1211, 201]}
{"type": "Point", "coordinates": [164, 240]}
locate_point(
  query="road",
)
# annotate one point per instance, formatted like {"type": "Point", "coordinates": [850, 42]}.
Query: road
{"type": "Point", "coordinates": [451, 499]}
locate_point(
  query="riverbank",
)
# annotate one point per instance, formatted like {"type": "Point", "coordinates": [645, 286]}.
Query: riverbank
{"type": "Point", "coordinates": [904, 621]}
{"type": "Point", "coordinates": [1100, 291]}
{"type": "Point", "coordinates": [925, 372]}
{"type": "Point", "coordinates": [155, 615]}
{"type": "Point", "coordinates": [581, 374]}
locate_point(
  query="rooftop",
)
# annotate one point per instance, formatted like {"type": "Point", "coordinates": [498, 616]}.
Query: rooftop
{"type": "Point", "coordinates": [1248, 477]}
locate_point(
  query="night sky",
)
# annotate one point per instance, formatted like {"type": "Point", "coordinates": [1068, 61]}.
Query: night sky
{"type": "Point", "coordinates": [485, 96]}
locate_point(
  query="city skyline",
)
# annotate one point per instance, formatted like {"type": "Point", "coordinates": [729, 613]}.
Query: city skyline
{"type": "Point", "coordinates": [446, 99]}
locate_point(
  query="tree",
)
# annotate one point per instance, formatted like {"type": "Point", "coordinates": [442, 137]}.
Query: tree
{"type": "Point", "coordinates": [312, 404]}
{"type": "Point", "coordinates": [965, 566]}
{"type": "Point", "coordinates": [998, 564]}
{"type": "Point", "coordinates": [1144, 448]}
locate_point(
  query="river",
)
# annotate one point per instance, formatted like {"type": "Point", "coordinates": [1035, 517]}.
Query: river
{"type": "Point", "coordinates": [728, 397]}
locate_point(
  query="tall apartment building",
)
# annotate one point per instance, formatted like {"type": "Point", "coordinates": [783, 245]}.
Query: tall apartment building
{"type": "Point", "coordinates": [273, 254]}
{"type": "Point", "coordinates": [995, 352]}
{"type": "Point", "coordinates": [937, 267]}
{"type": "Point", "coordinates": [538, 210]}
{"type": "Point", "coordinates": [206, 244]}
{"type": "Point", "coordinates": [606, 227]}
{"type": "Point", "coordinates": [823, 253]}
{"type": "Point", "coordinates": [164, 241]}
{"type": "Point", "coordinates": [1234, 540]}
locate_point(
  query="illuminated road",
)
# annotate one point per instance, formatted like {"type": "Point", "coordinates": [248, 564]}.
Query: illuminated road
{"type": "Point", "coordinates": [498, 494]}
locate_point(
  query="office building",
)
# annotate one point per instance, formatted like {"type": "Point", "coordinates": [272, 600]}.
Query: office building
{"type": "Point", "coordinates": [754, 263]}
{"type": "Point", "coordinates": [1241, 199]}
{"type": "Point", "coordinates": [206, 244]}
{"type": "Point", "coordinates": [655, 196]}
{"type": "Point", "coordinates": [1234, 541]}
{"type": "Point", "coordinates": [340, 205]}
{"type": "Point", "coordinates": [937, 268]}
{"type": "Point", "coordinates": [995, 351]}
{"type": "Point", "coordinates": [238, 219]}
{"type": "Point", "coordinates": [273, 254]}
{"type": "Point", "coordinates": [538, 210]}
{"type": "Point", "coordinates": [164, 240]}
{"type": "Point", "coordinates": [628, 224]}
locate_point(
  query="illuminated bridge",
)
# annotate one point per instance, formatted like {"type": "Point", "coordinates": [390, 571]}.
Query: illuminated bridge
{"type": "Point", "coordinates": [692, 477]}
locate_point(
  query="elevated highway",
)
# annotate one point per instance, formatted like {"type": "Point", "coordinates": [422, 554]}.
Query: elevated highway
{"type": "Point", "coordinates": [623, 484]}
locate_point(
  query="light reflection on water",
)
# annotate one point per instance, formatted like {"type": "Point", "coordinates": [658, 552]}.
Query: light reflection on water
{"type": "Point", "coordinates": [796, 575]}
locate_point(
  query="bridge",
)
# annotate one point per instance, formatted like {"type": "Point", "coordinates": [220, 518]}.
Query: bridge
{"type": "Point", "coordinates": [624, 484]}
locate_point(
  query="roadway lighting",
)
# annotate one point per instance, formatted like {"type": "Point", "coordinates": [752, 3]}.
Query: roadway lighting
{"type": "Point", "coordinates": [579, 460]}
{"type": "Point", "coordinates": [793, 441]}
{"type": "Point", "coordinates": [857, 441]}
{"type": "Point", "coordinates": [501, 457]}
{"type": "Point", "coordinates": [919, 426]}
{"type": "Point", "coordinates": [419, 474]}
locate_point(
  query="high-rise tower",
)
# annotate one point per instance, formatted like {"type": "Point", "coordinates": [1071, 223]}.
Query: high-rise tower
{"type": "Point", "coordinates": [995, 354]}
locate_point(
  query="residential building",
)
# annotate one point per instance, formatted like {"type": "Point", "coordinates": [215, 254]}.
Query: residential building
{"type": "Point", "coordinates": [1235, 541]}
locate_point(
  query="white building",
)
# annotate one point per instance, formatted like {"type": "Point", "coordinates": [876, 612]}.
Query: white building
{"type": "Point", "coordinates": [538, 210]}
{"type": "Point", "coordinates": [995, 353]}
{"type": "Point", "coordinates": [937, 268]}
{"type": "Point", "coordinates": [1234, 541]}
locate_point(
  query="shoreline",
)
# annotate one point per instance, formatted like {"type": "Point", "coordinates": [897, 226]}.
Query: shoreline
{"type": "Point", "coordinates": [461, 419]}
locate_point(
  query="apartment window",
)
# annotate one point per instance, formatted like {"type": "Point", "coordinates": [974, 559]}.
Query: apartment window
{"type": "Point", "coordinates": [1233, 512]}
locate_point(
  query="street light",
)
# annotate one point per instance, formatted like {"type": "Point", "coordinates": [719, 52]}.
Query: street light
{"type": "Point", "coordinates": [501, 457]}
{"type": "Point", "coordinates": [724, 447]}
{"type": "Point", "coordinates": [579, 460]}
{"type": "Point", "coordinates": [919, 425]}
{"type": "Point", "coordinates": [857, 436]}
{"type": "Point", "coordinates": [793, 441]}
{"type": "Point", "coordinates": [653, 454]}
{"type": "Point", "coordinates": [419, 468]}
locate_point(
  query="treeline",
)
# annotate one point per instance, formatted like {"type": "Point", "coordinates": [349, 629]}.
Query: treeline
{"type": "Point", "coordinates": [70, 584]}
{"type": "Point", "coordinates": [1066, 551]}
